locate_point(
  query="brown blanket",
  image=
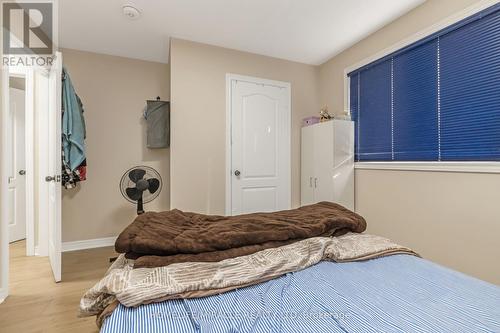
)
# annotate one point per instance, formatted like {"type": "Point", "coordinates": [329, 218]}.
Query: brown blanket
{"type": "Point", "coordinates": [159, 239]}
{"type": "Point", "coordinates": [143, 261]}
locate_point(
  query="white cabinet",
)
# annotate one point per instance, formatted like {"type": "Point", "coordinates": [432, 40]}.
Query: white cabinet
{"type": "Point", "coordinates": [327, 163]}
{"type": "Point", "coordinates": [307, 167]}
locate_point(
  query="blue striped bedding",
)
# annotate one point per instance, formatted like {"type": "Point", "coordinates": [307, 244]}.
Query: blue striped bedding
{"type": "Point", "coordinates": [398, 293]}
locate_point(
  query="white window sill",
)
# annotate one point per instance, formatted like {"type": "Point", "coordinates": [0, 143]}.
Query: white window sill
{"type": "Point", "coordinates": [473, 167]}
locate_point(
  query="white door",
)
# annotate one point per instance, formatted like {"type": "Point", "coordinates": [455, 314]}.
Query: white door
{"type": "Point", "coordinates": [307, 166]}
{"type": "Point", "coordinates": [54, 166]}
{"type": "Point", "coordinates": [260, 149]}
{"type": "Point", "coordinates": [17, 179]}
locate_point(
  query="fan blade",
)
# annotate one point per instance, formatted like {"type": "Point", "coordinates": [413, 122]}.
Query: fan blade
{"type": "Point", "coordinates": [133, 193]}
{"type": "Point", "coordinates": [154, 185]}
{"type": "Point", "coordinates": [136, 175]}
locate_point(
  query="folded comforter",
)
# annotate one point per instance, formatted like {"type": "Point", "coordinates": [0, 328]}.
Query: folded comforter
{"type": "Point", "coordinates": [133, 287]}
{"type": "Point", "coordinates": [161, 239]}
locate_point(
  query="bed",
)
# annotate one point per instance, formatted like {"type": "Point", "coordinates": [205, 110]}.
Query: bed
{"type": "Point", "coordinates": [398, 293]}
{"type": "Point", "coordinates": [311, 269]}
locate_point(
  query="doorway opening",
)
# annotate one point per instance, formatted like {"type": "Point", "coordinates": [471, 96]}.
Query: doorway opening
{"type": "Point", "coordinates": [31, 160]}
{"type": "Point", "coordinates": [17, 159]}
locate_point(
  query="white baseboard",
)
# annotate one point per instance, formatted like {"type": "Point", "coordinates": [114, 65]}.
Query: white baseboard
{"type": "Point", "coordinates": [88, 244]}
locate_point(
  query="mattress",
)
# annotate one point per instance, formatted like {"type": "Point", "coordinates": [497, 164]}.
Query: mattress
{"type": "Point", "coordinates": [399, 293]}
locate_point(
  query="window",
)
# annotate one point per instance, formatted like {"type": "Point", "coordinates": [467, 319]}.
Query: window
{"type": "Point", "coordinates": [437, 99]}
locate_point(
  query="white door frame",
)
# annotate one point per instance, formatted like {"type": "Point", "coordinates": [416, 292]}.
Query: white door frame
{"type": "Point", "coordinates": [4, 228]}
{"type": "Point", "coordinates": [236, 77]}
{"type": "Point", "coordinates": [41, 84]}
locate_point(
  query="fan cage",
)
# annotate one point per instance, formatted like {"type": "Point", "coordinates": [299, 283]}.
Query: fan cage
{"type": "Point", "coordinates": [127, 182]}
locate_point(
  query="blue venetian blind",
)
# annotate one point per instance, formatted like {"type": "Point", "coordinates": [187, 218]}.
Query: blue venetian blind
{"type": "Point", "coordinates": [415, 104]}
{"type": "Point", "coordinates": [436, 99]}
{"type": "Point", "coordinates": [470, 91]}
{"type": "Point", "coordinates": [375, 141]}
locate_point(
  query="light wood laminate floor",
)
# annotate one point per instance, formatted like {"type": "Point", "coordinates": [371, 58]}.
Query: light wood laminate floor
{"type": "Point", "coordinates": [37, 304]}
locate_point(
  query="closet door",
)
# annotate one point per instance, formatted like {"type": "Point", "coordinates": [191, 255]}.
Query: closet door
{"type": "Point", "coordinates": [323, 162]}
{"type": "Point", "coordinates": [307, 166]}
{"type": "Point", "coordinates": [260, 150]}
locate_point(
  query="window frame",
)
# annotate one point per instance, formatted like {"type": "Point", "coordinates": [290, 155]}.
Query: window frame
{"type": "Point", "coordinates": [437, 166]}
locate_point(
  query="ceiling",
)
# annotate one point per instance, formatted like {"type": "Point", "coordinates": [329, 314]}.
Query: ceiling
{"type": "Point", "coordinates": [307, 31]}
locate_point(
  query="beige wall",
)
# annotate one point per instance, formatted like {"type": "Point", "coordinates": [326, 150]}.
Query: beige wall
{"type": "Point", "coordinates": [114, 91]}
{"type": "Point", "coordinates": [451, 218]}
{"type": "Point", "coordinates": [198, 88]}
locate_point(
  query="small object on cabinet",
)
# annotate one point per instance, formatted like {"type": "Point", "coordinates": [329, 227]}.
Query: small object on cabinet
{"type": "Point", "coordinates": [310, 121]}
{"type": "Point", "coordinates": [324, 114]}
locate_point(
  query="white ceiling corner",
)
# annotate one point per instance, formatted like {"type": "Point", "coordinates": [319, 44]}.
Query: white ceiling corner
{"type": "Point", "coordinates": [307, 31]}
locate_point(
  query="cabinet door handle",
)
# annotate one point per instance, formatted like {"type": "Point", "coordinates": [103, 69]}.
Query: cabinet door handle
{"type": "Point", "coordinates": [310, 181]}
{"type": "Point", "coordinates": [315, 182]}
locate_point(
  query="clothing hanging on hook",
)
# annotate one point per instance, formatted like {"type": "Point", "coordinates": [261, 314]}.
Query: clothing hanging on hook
{"type": "Point", "coordinates": [74, 161]}
{"type": "Point", "coordinates": [157, 117]}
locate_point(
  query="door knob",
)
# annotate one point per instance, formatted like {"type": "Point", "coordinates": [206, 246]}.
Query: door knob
{"type": "Point", "coordinates": [50, 179]}
{"type": "Point", "coordinates": [22, 172]}
{"type": "Point", "coordinates": [237, 173]}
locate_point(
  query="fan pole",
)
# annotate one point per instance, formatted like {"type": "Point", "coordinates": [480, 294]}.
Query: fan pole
{"type": "Point", "coordinates": [140, 208]}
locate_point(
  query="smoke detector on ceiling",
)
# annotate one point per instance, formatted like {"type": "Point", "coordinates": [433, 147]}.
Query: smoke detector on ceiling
{"type": "Point", "coordinates": [131, 12]}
